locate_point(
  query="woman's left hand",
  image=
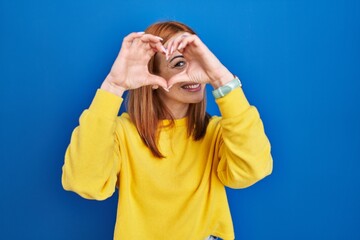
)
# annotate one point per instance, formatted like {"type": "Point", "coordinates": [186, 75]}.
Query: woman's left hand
{"type": "Point", "coordinates": [202, 65]}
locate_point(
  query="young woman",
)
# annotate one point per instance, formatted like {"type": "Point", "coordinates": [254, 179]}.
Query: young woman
{"type": "Point", "coordinates": [170, 160]}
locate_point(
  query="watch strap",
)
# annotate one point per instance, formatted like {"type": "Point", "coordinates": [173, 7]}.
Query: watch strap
{"type": "Point", "coordinates": [227, 88]}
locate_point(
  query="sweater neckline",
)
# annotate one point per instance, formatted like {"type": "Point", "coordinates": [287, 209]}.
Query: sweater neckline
{"type": "Point", "coordinates": [177, 122]}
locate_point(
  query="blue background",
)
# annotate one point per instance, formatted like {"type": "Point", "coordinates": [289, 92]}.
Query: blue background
{"type": "Point", "coordinates": [300, 65]}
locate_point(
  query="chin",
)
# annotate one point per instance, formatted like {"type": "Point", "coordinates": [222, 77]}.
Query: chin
{"type": "Point", "coordinates": [194, 95]}
{"type": "Point", "coordinates": [193, 99]}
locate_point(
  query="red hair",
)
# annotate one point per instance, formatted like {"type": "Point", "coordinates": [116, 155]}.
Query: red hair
{"type": "Point", "coordinates": [145, 108]}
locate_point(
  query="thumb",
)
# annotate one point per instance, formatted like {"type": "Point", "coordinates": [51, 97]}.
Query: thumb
{"type": "Point", "coordinates": [157, 80]}
{"type": "Point", "coordinates": [176, 79]}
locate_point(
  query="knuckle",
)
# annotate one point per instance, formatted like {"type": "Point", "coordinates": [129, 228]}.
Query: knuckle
{"type": "Point", "coordinates": [195, 37]}
{"type": "Point", "coordinates": [130, 35]}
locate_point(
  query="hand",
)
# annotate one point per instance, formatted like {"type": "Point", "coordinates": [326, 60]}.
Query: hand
{"type": "Point", "coordinates": [130, 69]}
{"type": "Point", "coordinates": [203, 65]}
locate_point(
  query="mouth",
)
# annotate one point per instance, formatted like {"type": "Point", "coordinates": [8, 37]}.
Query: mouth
{"type": "Point", "coordinates": [192, 87]}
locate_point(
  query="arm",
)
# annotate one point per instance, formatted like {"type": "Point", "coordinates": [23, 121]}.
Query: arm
{"type": "Point", "coordinates": [244, 150]}
{"type": "Point", "coordinates": [92, 160]}
{"type": "Point", "coordinates": [243, 147]}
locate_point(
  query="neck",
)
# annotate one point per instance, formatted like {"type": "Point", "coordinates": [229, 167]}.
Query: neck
{"type": "Point", "coordinates": [177, 110]}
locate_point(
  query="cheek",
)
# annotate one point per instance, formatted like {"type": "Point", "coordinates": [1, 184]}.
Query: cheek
{"type": "Point", "coordinates": [165, 73]}
{"type": "Point", "coordinates": [161, 66]}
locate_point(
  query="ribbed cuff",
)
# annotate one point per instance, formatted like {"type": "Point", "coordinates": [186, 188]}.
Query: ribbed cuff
{"type": "Point", "coordinates": [106, 104]}
{"type": "Point", "coordinates": [233, 104]}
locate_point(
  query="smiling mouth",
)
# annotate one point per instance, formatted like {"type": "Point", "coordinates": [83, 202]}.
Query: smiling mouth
{"type": "Point", "coordinates": [192, 87]}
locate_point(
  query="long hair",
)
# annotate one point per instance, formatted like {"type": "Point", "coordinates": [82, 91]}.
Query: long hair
{"type": "Point", "coordinates": [145, 107]}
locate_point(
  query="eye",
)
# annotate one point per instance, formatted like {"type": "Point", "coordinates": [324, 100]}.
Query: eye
{"type": "Point", "coordinates": [178, 64]}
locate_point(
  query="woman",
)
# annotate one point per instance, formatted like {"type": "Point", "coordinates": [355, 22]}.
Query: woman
{"type": "Point", "coordinates": [170, 160]}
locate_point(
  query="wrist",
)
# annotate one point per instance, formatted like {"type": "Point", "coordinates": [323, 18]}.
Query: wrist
{"type": "Point", "coordinates": [222, 77]}
{"type": "Point", "coordinates": [110, 86]}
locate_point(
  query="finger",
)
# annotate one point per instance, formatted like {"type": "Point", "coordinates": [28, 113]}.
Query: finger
{"type": "Point", "coordinates": [157, 80]}
{"type": "Point", "coordinates": [184, 42]}
{"type": "Point", "coordinates": [143, 49]}
{"type": "Point", "coordinates": [127, 41]}
{"type": "Point", "coordinates": [177, 79]}
{"type": "Point", "coordinates": [151, 38]}
{"type": "Point", "coordinates": [158, 47]}
{"type": "Point", "coordinates": [169, 49]}
{"type": "Point", "coordinates": [175, 43]}
{"type": "Point", "coordinates": [148, 48]}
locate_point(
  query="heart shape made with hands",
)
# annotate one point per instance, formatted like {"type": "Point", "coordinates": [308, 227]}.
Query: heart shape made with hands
{"type": "Point", "coordinates": [130, 69]}
{"type": "Point", "coordinates": [202, 66]}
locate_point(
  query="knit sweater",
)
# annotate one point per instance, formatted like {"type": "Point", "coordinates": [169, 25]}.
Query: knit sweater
{"type": "Point", "coordinates": [181, 196]}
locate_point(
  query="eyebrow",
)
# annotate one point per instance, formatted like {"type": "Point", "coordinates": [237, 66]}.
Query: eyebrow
{"type": "Point", "coordinates": [178, 56]}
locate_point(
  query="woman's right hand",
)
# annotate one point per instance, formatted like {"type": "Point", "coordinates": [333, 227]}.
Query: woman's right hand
{"type": "Point", "coordinates": [130, 69]}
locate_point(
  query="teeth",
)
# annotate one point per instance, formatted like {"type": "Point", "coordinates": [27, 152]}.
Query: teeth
{"type": "Point", "coordinates": [191, 86]}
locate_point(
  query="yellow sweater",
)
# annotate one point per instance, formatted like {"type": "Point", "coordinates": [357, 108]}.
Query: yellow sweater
{"type": "Point", "coordinates": [179, 197]}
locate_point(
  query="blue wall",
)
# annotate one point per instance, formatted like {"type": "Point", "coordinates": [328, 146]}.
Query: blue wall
{"type": "Point", "coordinates": [300, 65]}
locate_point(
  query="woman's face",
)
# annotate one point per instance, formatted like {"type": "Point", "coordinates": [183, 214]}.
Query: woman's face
{"type": "Point", "coordinates": [183, 93]}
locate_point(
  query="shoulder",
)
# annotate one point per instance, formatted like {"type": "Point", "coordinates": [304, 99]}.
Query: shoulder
{"type": "Point", "coordinates": [124, 123]}
{"type": "Point", "coordinates": [124, 117]}
{"type": "Point", "coordinates": [124, 120]}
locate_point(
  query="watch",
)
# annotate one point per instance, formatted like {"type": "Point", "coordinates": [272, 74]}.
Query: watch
{"type": "Point", "coordinates": [227, 88]}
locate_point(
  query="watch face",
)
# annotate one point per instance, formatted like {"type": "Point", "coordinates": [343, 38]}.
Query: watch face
{"type": "Point", "coordinates": [226, 89]}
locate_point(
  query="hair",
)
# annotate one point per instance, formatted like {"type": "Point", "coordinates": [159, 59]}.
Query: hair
{"type": "Point", "coordinates": [145, 107]}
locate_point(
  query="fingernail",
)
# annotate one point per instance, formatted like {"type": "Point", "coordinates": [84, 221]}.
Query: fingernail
{"type": "Point", "coordinates": [180, 46]}
{"type": "Point", "coordinates": [167, 55]}
{"type": "Point", "coordinates": [166, 89]}
{"type": "Point", "coordinates": [163, 49]}
{"type": "Point", "coordinates": [140, 32]}
{"type": "Point", "coordinates": [170, 87]}
{"type": "Point", "coordinates": [159, 38]}
{"type": "Point", "coordinates": [172, 50]}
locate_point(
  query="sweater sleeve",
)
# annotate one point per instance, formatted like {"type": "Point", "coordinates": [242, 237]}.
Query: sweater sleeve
{"type": "Point", "coordinates": [244, 149]}
{"type": "Point", "coordinates": [92, 159]}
